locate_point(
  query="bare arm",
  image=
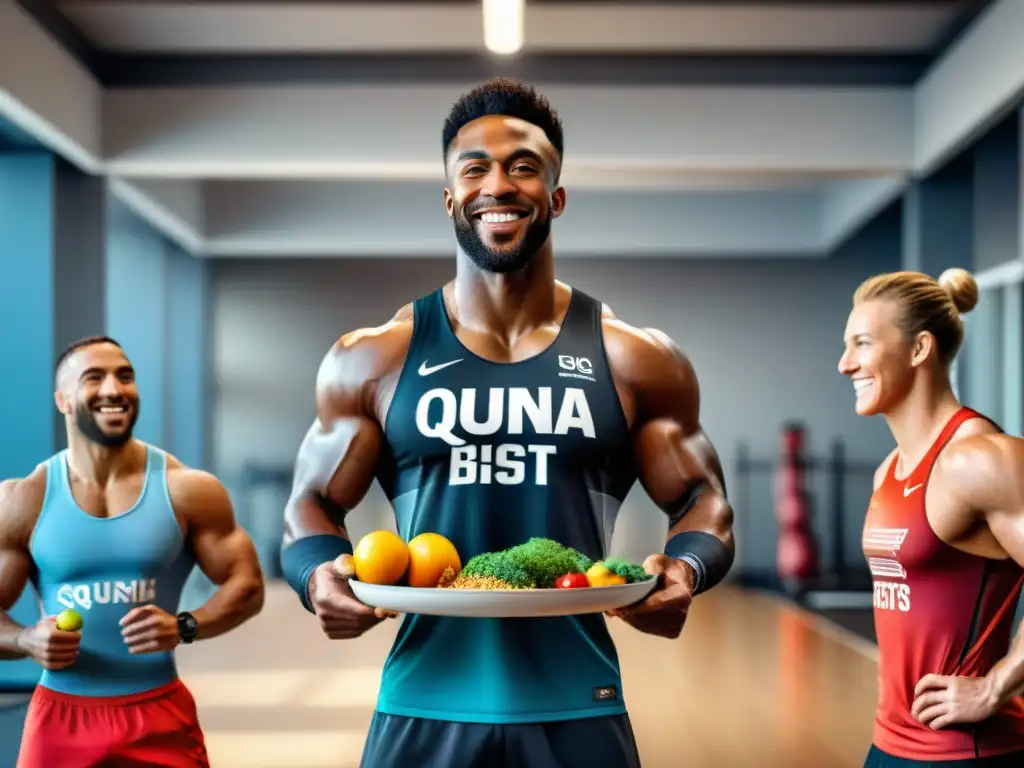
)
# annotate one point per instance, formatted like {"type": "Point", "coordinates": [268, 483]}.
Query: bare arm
{"type": "Point", "coordinates": [338, 457]}
{"type": "Point", "coordinates": [985, 477]}
{"type": "Point", "coordinates": [20, 504]}
{"type": "Point", "coordinates": [677, 464]}
{"type": "Point", "coordinates": [223, 551]}
{"type": "Point", "coordinates": [16, 520]}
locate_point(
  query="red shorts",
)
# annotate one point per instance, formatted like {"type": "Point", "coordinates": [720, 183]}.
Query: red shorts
{"type": "Point", "coordinates": [154, 728]}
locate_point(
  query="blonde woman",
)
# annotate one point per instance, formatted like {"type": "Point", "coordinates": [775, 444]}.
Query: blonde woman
{"type": "Point", "coordinates": [944, 534]}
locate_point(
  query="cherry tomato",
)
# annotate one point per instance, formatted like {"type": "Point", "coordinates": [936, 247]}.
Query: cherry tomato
{"type": "Point", "coordinates": [572, 581]}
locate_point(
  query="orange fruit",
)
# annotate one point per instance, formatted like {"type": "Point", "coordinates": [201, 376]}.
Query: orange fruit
{"type": "Point", "coordinates": [429, 555]}
{"type": "Point", "coordinates": [380, 557]}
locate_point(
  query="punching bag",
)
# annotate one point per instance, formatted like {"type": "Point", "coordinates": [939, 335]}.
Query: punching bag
{"type": "Point", "coordinates": [796, 553]}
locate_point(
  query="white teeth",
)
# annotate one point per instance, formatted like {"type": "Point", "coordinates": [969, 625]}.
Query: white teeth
{"type": "Point", "coordinates": [112, 409]}
{"type": "Point", "coordinates": [861, 384]}
{"type": "Point", "coordinates": [499, 218]}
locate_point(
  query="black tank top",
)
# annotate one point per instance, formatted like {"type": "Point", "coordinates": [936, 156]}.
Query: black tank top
{"type": "Point", "coordinates": [490, 454]}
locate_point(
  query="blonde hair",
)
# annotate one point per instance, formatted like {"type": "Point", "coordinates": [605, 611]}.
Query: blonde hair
{"type": "Point", "coordinates": [927, 304]}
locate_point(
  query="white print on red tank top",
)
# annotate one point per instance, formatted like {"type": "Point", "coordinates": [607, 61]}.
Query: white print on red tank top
{"type": "Point", "coordinates": [882, 549]}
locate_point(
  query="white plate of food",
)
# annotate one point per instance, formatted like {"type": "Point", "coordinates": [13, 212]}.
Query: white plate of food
{"type": "Point", "coordinates": [536, 579]}
{"type": "Point", "coordinates": [502, 603]}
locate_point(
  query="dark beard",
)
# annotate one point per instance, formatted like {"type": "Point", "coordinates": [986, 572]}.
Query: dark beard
{"type": "Point", "coordinates": [86, 422]}
{"type": "Point", "coordinates": [510, 259]}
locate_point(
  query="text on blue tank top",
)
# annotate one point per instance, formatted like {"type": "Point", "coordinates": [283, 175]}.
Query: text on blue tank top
{"type": "Point", "coordinates": [103, 568]}
{"type": "Point", "coordinates": [489, 455]}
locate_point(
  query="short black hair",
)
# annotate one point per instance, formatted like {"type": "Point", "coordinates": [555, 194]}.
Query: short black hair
{"type": "Point", "coordinates": [503, 96]}
{"type": "Point", "coordinates": [74, 346]}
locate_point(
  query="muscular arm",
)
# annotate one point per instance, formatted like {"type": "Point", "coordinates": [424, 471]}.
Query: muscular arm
{"type": "Point", "coordinates": [19, 508]}
{"type": "Point", "coordinates": [337, 460]}
{"type": "Point", "coordinates": [677, 464]}
{"type": "Point", "coordinates": [985, 477]}
{"type": "Point", "coordinates": [223, 551]}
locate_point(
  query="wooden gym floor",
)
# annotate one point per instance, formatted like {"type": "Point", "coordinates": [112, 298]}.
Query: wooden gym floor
{"type": "Point", "coordinates": [753, 681]}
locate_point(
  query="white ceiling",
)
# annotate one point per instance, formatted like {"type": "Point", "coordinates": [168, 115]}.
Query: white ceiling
{"type": "Point", "coordinates": [266, 127]}
{"type": "Point", "coordinates": [152, 26]}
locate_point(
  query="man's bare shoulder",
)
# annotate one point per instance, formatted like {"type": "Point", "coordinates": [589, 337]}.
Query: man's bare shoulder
{"type": "Point", "coordinates": [644, 356]}
{"type": "Point", "coordinates": [173, 462]}
{"type": "Point", "coordinates": [367, 354]}
{"type": "Point", "coordinates": [21, 501]}
{"type": "Point", "coordinates": [197, 492]}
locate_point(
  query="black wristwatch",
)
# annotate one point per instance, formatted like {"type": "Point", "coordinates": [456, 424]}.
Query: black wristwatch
{"type": "Point", "coordinates": [188, 627]}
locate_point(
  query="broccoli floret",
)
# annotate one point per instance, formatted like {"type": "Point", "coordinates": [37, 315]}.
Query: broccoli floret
{"type": "Point", "coordinates": [497, 565]}
{"type": "Point", "coordinates": [583, 563]}
{"type": "Point", "coordinates": [546, 560]}
{"type": "Point", "coordinates": [629, 571]}
{"type": "Point", "coordinates": [537, 563]}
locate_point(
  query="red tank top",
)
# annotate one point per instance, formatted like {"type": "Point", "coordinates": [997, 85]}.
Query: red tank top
{"type": "Point", "coordinates": [937, 610]}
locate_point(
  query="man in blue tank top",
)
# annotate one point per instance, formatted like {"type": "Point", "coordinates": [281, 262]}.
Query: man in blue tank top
{"type": "Point", "coordinates": [503, 406]}
{"type": "Point", "coordinates": [108, 531]}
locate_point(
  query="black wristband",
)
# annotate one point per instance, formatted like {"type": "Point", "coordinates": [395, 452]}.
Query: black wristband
{"type": "Point", "coordinates": [706, 554]}
{"type": "Point", "coordinates": [300, 558]}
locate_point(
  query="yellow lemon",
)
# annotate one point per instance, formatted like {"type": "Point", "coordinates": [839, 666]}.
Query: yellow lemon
{"type": "Point", "coordinates": [69, 620]}
{"type": "Point", "coordinates": [600, 576]}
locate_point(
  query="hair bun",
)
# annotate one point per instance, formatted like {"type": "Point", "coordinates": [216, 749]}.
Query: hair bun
{"type": "Point", "coordinates": [961, 287]}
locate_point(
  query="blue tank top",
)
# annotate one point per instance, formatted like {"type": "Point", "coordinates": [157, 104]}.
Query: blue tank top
{"type": "Point", "coordinates": [104, 567]}
{"type": "Point", "coordinates": [488, 455]}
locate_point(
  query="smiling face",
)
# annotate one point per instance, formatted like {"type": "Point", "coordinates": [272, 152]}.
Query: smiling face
{"type": "Point", "coordinates": [97, 389]}
{"type": "Point", "coordinates": [879, 358]}
{"type": "Point", "coordinates": [502, 195]}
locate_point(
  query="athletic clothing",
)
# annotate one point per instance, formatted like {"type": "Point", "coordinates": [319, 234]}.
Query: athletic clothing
{"type": "Point", "coordinates": [489, 455]}
{"type": "Point", "coordinates": [878, 759]}
{"type": "Point", "coordinates": [154, 728]}
{"type": "Point", "coordinates": [110, 704]}
{"type": "Point", "coordinates": [598, 742]}
{"type": "Point", "coordinates": [937, 610]}
{"type": "Point", "coordinates": [104, 567]}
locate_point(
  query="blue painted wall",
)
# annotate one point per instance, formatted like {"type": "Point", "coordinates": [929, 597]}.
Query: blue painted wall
{"type": "Point", "coordinates": [137, 311]}
{"type": "Point", "coordinates": [26, 338]}
{"type": "Point", "coordinates": [157, 300]}
{"type": "Point", "coordinates": [14, 138]}
{"type": "Point", "coordinates": [188, 344]}
{"type": "Point", "coordinates": [26, 309]}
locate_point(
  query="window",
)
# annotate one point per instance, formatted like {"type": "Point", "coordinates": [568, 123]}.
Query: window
{"type": "Point", "coordinates": [988, 372]}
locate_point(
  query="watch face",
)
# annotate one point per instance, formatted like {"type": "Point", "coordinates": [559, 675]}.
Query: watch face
{"type": "Point", "coordinates": [187, 625]}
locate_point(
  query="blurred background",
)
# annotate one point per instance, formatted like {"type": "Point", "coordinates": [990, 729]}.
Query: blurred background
{"type": "Point", "coordinates": [226, 187]}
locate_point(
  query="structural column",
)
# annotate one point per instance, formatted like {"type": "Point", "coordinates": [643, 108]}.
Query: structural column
{"type": "Point", "coordinates": [51, 272]}
{"type": "Point", "coordinates": [938, 221]}
{"type": "Point", "coordinates": [997, 197]}
{"type": "Point", "coordinates": [994, 352]}
{"type": "Point", "coordinates": [136, 311]}
{"type": "Point", "coordinates": [189, 365]}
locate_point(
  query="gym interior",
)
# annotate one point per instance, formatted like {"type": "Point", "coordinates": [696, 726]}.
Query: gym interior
{"type": "Point", "coordinates": [225, 188]}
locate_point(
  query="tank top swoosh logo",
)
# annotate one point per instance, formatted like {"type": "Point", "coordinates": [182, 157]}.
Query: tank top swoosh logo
{"type": "Point", "coordinates": [426, 370]}
{"type": "Point", "coordinates": [908, 491]}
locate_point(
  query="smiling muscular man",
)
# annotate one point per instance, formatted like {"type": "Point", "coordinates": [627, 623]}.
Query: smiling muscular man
{"type": "Point", "coordinates": [501, 406]}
